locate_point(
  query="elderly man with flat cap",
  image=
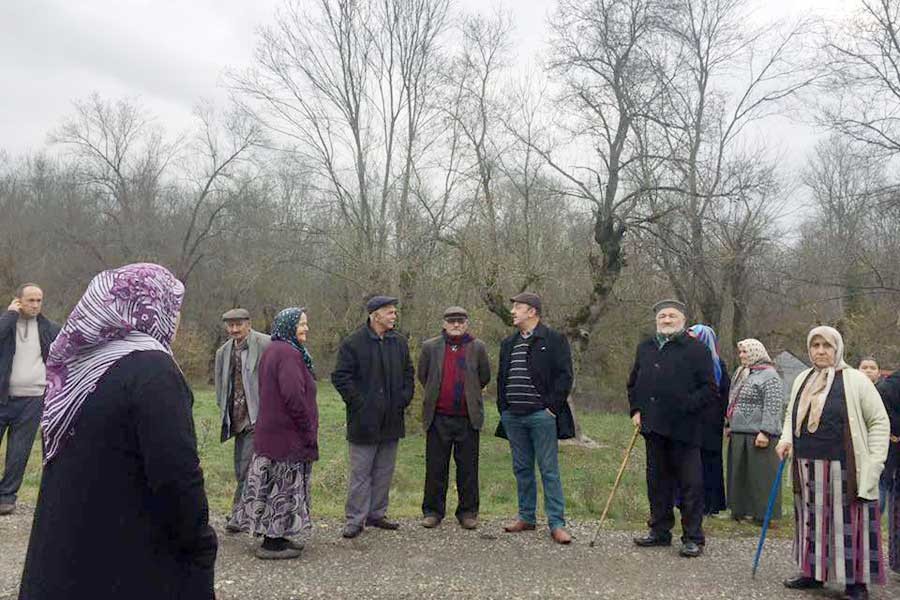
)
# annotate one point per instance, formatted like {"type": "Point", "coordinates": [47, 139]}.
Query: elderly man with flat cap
{"type": "Point", "coordinates": [453, 369]}
{"type": "Point", "coordinates": [237, 392]}
{"type": "Point", "coordinates": [671, 383]}
{"type": "Point", "coordinates": [374, 376]}
{"type": "Point", "coordinates": [533, 383]}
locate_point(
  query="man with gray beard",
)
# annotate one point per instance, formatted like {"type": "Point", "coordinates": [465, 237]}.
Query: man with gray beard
{"type": "Point", "coordinates": [671, 383]}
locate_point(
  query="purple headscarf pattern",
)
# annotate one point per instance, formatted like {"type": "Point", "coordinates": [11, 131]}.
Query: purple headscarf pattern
{"type": "Point", "coordinates": [123, 310]}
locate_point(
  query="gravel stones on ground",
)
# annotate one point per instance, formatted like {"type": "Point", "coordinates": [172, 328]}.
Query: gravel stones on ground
{"type": "Point", "coordinates": [450, 562]}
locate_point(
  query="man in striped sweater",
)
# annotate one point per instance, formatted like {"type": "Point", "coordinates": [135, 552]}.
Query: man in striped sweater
{"type": "Point", "coordinates": [533, 384]}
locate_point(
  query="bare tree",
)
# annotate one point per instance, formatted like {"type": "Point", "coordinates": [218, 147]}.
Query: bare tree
{"type": "Point", "coordinates": [221, 145]}
{"type": "Point", "coordinates": [476, 113]}
{"type": "Point", "coordinates": [349, 85]}
{"type": "Point", "coordinates": [863, 77]}
{"type": "Point", "coordinates": [121, 156]}
{"type": "Point", "coordinates": [705, 122]}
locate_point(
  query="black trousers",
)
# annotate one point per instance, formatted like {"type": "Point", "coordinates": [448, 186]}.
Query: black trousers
{"type": "Point", "coordinates": [446, 436]}
{"type": "Point", "coordinates": [669, 463]}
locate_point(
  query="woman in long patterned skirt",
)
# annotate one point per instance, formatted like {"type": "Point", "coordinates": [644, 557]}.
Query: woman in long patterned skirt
{"type": "Point", "coordinates": [276, 502]}
{"type": "Point", "coordinates": [838, 431]}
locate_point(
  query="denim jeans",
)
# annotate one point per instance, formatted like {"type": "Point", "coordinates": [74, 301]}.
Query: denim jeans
{"type": "Point", "coordinates": [533, 438]}
{"type": "Point", "coordinates": [19, 420]}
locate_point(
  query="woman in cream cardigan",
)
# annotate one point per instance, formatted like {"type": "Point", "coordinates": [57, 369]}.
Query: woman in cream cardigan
{"type": "Point", "coordinates": [837, 430]}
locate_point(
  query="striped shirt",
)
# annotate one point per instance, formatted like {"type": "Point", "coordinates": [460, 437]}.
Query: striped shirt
{"type": "Point", "coordinates": [521, 395]}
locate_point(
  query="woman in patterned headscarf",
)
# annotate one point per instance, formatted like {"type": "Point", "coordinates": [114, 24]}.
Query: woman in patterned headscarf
{"type": "Point", "coordinates": [276, 501]}
{"type": "Point", "coordinates": [838, 431]}
{"type": "Point", "coordinates": [753, 421]}
{"type": "Point", "coordinates": [122, 512]}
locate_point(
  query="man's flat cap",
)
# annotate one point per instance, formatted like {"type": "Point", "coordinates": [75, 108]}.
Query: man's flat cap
{"type": "Point", "coordinates": [676, 304]}
{"type": "Point", "coordinates": [456, 311]}
{"type": "Point", "coordinates": [236, 314]}
{"type": "Point", "coordinates": [376, 302]}
{"type": "Point", "coordinates": [529, 298]}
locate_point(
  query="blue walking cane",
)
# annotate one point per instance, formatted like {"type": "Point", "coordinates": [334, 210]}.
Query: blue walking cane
{"type": "Point", "coordinates": [773, 495]}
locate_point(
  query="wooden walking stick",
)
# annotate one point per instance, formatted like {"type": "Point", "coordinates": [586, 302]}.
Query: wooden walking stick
{"type": "Point", "coordinates": [609, 500]}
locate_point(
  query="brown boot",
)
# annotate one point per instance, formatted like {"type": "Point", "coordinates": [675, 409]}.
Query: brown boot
{"type": "Point", "coordinates": [430, 522]}
{"type": "Point", "coordinates": [468, 523]}
{"type": "Point", "coordinates": [561, 536]}
{"type": "Point", "coordinates": [518, 526]}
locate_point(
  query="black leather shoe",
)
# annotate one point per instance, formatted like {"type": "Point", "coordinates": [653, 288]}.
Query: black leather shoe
{"type": "Point", "coordinates": [382, 523]}
{"type": "Point", "coordinates": [857, 591]}
{"type": "Point", "coordinates": [691, 549]}
{"type": "Point", "coordinates": [351, 531]}
{"type": "Point", "coordinates": [802, 582]}
{"type": "Point", "coordinates": [652, 539]}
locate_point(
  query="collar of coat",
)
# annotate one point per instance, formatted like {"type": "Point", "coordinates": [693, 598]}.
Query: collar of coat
{"type": "Point", "coordinates": [680, 338]}
{"type": "Point", "coordinates": [390, 333]}
{"type": "Point", "coordinates": [540, 331]}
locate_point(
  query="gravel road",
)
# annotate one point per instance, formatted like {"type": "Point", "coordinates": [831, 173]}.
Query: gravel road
{"type": "Point", "coordinates": [449, 562]}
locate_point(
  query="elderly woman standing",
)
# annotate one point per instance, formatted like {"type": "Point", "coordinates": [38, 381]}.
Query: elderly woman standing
{"type": "Point", "coordinates": [838, 431]}
{"type": "Point", "coordinates": [276, 501]}
{"type": "Point", "coordinates": [753, 417]}
{"type": "Point", "coordinates": [122, 512]}
{"type": "Point", "coordinates": [713, 418]}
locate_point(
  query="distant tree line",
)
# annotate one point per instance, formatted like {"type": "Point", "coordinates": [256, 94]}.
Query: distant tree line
{"type": "Point", "coordinates": [395, 146]}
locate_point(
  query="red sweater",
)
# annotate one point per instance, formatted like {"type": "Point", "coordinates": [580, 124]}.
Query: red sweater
{"type": "Point", "coordinates": [452, 398]}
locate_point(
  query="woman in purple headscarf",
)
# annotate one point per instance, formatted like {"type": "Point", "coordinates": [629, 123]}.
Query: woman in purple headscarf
{"type": "Point", "coordinates": [122, 512]}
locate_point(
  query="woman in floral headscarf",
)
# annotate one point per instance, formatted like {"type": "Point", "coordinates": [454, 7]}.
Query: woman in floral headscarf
{"type": "Point", "coordinates": [753, 418]}
{"type": "Point", "coordinates": [122, 512]}
{"type": "Point", "coordinates": [837, 430]}
{"type": "Point", "coordinates": [276, 502]}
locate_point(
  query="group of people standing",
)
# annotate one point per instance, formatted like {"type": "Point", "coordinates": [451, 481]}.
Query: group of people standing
{"type": "Point", "coordinates": [266, 391]}
{"type": "Point", "coordinates": [119, 439]}
{"type": "Point", "coordinates": [838, 432]}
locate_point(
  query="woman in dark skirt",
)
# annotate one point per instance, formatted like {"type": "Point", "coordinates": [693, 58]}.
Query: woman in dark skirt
{"type": "Point", "coordinates": [754, 416]}
{"type": "Point", "coordinates": [122, 512]}
{"type": "Point", "coordinates": [713, 418]}
{"type": "Point", "coordinates": [276, 499]}
{"type": "Point", "coordinates": [838, 432]}
{"type": "Point", "coordinates": [890, 394]}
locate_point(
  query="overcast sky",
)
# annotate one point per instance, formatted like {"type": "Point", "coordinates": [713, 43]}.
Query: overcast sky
{"type": "Point", "coordinates": [170, 53]}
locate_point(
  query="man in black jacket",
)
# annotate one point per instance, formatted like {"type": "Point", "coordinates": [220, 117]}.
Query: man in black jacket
{"type": "Point", "coordinates": [671, 384]}
{"type": "Point", "coordinates": [374, 376]}
{"type": "Point", "coordinates": [533, 384]}
{"type": "Point", "coordinates": [25, 338]}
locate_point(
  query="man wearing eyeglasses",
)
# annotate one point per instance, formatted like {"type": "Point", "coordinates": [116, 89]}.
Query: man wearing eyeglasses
{"type": "Point", "coordinates": [453, 369]}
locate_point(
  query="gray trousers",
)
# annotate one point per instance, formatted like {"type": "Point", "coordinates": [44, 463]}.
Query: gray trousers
{"type": "Point", "coordinates": [243, 454]}
{"type": "Point", "coordinates": [19, 420]}
{"type": "Point", "coordinates": [371, 470]}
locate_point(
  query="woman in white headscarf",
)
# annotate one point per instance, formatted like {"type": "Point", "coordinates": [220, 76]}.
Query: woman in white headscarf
{"type": "Point", "coordinates": [753, 417]}
{"type": "Point", "coordinates": [837, 429]}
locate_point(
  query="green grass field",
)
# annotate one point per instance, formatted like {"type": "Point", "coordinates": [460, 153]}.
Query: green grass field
{"type": "Point", "coordinates": [587, 474]}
